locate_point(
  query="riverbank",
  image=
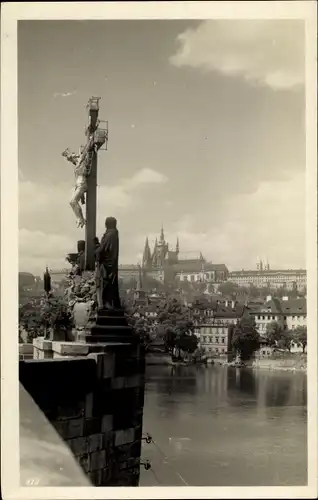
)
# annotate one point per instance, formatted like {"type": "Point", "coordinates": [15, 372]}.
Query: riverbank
{"type": "Point", "coordinates": [291, 365]}
{"type": "Point", "coordinates": [163, 359]}
{"type": "Point", "coordinates": [154, 359]}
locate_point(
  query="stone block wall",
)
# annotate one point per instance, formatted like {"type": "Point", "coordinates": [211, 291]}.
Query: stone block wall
{"type": "Point", "coordinates": [25, 351]}
{"type": "Point", "coordinates": [93, 394]}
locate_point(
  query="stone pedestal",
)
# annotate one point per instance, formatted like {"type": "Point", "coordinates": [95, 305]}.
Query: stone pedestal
{"type": "Point", "coordinates": [111, 326]}
{"type": "Point", "coordinates": [42, 348]}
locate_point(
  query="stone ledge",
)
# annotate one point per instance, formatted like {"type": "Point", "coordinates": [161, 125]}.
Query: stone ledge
{"type": "Point", "coordinates": [70, 348]}
{"type": "Point", "coordinates": [62, 356]}
{"type": "Point", "coordinates": [42, 343]}
{"type": "Point", "coordinates": [50, 380]}
{"type": "Point", "coordinates": [26, 349]}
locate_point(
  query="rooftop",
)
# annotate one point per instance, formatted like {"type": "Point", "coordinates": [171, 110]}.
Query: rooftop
{"type": "Point", "coordinates": [195, 266]}
{"type": "Point", "coordinates": [285, 307]}
{"type": "Point", "coordinates": [294, 306]}
{"type": "Point", "coordinates": [253, 272]}
{"type": "Point", "coordinates": [220, 310]}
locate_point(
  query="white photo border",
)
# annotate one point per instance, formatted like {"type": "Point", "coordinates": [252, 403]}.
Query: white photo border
{"type": "Point", "coordinates": [11, 13]}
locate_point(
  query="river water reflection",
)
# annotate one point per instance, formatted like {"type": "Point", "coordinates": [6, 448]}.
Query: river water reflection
{"type": "Point", "coordinates": [222, 426]}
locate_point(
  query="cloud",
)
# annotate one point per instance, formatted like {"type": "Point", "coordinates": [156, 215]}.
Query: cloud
{"type": "Point", "coordinates": [64, 94]}
{"type": "Point", "coordinates": [268, 52]}
{"type": "Point", "coordinates": [121, 195]}
{"type": "Point", "coordinates": [38, 249]}
{"type": "Point", "coordinates": [270, 221]}
{"type": "Point", "coordinates": [145, 176]}
{"type": "Point", "coordinates": [47, 225]}
{"type": "Point", "coordinates": [36, 199]}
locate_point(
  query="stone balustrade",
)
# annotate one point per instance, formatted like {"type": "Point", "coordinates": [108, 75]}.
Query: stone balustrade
{"type": "Point", "coordinates": [92, 392]}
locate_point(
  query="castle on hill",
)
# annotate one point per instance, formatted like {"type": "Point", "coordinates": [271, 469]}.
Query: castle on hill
{"type": "Point", "coordinates": [164, 263]}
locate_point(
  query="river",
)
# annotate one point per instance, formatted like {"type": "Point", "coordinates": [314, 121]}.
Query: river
{"type": "Point", "coordinates": [223, 426]}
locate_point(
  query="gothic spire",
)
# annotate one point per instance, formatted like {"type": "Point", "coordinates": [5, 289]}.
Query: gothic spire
{"type": "Point", "coordinates": [146, 259]}
{"type": "Point", "coordinates": [162, 235]}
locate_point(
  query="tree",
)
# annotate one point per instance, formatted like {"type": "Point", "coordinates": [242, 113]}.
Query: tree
{"type": "Point", "coordinates": [140, 323]}
{"type": "Point", "coordinates": [38, 317]}
{"type": "Point", "coordinates": [273, 333]}
{"type": "Point", "coordinates": [246, 339]}
{"type": "Point", "coordinates": [55, 315]}
{"type": "Point", "coordinates": [286, 339]}
{"type": "Point", "coordinates": [300, 336]}
{"type": "Point", "coordinates": [30, 320]}
{"type": "Point", "coordinates": [175, 326]}
{"type": "Point", "coordinates": [187, 343]}
{"type": "Point", "coordinates": [228, 288]}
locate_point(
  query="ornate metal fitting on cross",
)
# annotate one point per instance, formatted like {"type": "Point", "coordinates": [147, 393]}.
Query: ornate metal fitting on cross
{"type": "Point", "coordinates": [93, 103]}
{"type": "Point", "coordinates": [147, 438]}
{"type": "Point", "coordinates": [101, 136]}
{"type": "Point", "coordinates": [146, 464]}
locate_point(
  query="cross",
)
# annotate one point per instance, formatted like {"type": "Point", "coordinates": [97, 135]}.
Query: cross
{"type": "Point", "coordinates": [100, 138]}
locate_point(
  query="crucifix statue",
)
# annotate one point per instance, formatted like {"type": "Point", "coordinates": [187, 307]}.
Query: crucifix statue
{"type": "Point", "coordinates": [85, 170]}
{"type": "Point", "coordinates": [82, 164]}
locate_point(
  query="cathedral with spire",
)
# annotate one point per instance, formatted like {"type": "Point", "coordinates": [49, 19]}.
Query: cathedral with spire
{"type": "Point", "coordinates": [161, 254]}
{"type": "Point", "coordinates": [163, 262]}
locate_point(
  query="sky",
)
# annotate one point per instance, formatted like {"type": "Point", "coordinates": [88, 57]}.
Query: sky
{"type": "Point", "coordinates": [206, 136]}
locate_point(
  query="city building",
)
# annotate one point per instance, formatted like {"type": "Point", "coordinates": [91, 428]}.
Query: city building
{"type": "Point", "coordinates": [164, 264]}
{"type": "Point", "coordinates": [264, 276]}
{"type": "Point", "coordinates": [294, 312]}
{"type": "Point", "coordinates": [288, 313]}
{"type": "Point", "coordinates": [214, 323]}
{"type": "Point", "coordinates": [267, 313]}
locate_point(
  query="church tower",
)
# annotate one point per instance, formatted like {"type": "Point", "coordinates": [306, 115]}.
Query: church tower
{"type": "Point", "coordinates": [162, 249]}
{"type": "Point", "coordinates": [259, 264]}
{"type": "Point", "coordinates": [162, 235]}
{"type": "Point", "coordinates": [177, 248]}
{"type": "Point", "coordinates": [154, 258]}
{"type": "Point", "coordinates": [146, 258]}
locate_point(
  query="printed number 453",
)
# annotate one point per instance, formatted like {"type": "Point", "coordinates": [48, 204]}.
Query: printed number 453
{"type": "Point", "coordinates": [32, 482]}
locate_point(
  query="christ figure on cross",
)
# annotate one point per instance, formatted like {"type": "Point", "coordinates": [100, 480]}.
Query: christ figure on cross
{"type": "Point", "coordinates": [82, 164]}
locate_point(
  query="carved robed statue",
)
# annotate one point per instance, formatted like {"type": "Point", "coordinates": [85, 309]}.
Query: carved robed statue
{"type": "Point", "coordinates": [106, 253]}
